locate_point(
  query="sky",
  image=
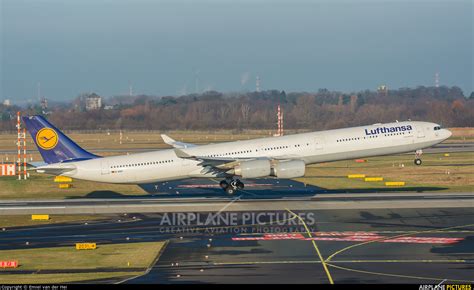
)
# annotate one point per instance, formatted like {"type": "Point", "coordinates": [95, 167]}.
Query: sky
{"type": "Point", "coordinates": [183, 46]}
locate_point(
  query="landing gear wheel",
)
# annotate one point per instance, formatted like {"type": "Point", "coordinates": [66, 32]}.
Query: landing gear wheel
{"type": "Point", "coordinates": [231, 186]}
{"type": "Point", "coordinates": [223, 184]}
{"type": "Point", "coordinates": [418, 154]}
{"type": "Point", "coordinates": [240, 184]}
{"type": "Point", "coordinates": [230, 190]}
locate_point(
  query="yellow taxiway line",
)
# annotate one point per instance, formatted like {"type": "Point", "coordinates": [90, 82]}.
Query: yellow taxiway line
{"type": "Point", "coordinates": [338, 261]}
{"type": "Point", "coordinates": [315, 246]}
{"type": "Point", "coordinates": [330, 263]}
{"type": "Point", "coordinates": [400, 276]}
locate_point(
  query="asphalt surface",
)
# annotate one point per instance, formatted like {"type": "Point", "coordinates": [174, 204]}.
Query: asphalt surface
{"type": "Point", "coordinates": [203, 195]}
{"type": "Point", "coordinates": [450, 147]}
{"type": "Point", "coordinates": [272, 236]}
{"type": "Point", "coordinates": [223, 258]}
{"type": "Point", "coordinates": [357, 246]}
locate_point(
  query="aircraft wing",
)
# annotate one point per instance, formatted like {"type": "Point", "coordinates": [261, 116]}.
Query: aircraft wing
{"type": "Point", "coordinates": [229, 162]}
{"type": "Point", "coordinates": [176, 144]}
{"type": "Point", "coordinates": [216, 162]}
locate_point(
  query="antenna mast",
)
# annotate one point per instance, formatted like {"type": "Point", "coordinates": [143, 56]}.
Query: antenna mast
{"type": "Point", "coordinates": [38, 88]}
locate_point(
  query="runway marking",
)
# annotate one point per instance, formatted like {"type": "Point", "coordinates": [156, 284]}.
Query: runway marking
{"type": "Point", "coordinates": [397, 275]}
{"type": "Point", "coordinates": [315, 246]}
{"type": "Point", "coordinates": [337, 262]}
{"type": "Point", "coordinates": [33, 207]}
{"type": "Point", "coordinates": [328, 260]}
{"type": "Point", "coordinates": [217, 186]}
{"type": "Point", "coordinates": [376, 232]}
{"type": "Point", "coordinates": [401, 261]}
{"type": "Point", "coordinates": [392, 237]}
{"type": "Point", "coordinates": [228, 204]}
{"type": "Point", "coordinates": [349, 237]}
{"type": "Point", "coordinates": [248, 192]}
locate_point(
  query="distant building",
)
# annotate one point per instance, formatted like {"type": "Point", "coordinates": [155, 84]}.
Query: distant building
{"type": "Point", "coordinates": [44, 104]}
{"type": "Point", "coordinates": [93, 102]}
{"type": "Point", "coordinates": [382, 90]}
{"type": "Point", "coordinates": [7, 103]}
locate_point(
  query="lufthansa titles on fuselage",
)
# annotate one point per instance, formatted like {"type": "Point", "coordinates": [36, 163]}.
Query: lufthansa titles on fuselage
{"type": "Point", "coordinates": [382, 130]}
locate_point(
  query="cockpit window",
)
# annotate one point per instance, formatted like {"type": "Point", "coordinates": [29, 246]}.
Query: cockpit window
{"type": "Point", "coordinates": [437, 128]}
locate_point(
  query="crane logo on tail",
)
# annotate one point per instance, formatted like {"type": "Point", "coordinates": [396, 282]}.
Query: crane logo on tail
{"type": "Point", "coordinates": [47, 138]}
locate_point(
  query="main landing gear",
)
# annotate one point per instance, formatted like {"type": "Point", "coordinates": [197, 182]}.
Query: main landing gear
{"type": "Point", "coordinates": [231, 186]}
{"type": "Point", "coordinates": [418, 157]}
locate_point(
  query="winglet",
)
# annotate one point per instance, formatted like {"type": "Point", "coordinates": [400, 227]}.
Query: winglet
{"type": "Point", "coordinates": [167, 139]}
{"type": "Point", "coordinates": [176, 144]}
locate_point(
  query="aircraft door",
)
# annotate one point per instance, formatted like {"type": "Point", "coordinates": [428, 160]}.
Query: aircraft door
{"type": "Point", "coordinates": [319, 142]}
{"type": "Point", "coordinates": [105, 169]}
{"type": "Point", "coordinates": [420, 132]}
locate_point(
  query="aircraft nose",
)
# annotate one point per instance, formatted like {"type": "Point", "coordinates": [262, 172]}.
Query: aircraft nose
{"type": "Point", "coordinates": [448, 133]}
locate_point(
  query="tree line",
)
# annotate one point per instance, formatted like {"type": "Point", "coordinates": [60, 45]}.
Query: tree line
{"type": "Point", "coordinates": [212, 110]}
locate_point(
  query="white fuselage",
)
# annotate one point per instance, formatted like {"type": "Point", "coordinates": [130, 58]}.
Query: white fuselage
{"type": "Point", "coordinates": [315, 147]}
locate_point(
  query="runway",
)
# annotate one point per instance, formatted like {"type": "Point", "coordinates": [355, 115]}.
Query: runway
{"type": "Point", "coordinates": [450, 148]}
{"type": "Point", "coordinates": [238, 203]}
{"type": "Point", "coordinates": [282, 259]}
{"type": "Point", "coordinates": [290, 234]}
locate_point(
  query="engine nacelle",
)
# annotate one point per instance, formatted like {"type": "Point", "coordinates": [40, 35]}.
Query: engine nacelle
{"type": "Point", "coordinates": [253, 169]}
{"type": "Point", "coordinates": [289, 169]}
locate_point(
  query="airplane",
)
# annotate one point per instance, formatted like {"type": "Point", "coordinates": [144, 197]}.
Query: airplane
{"type": "Point", "coordinates": [281, 157]}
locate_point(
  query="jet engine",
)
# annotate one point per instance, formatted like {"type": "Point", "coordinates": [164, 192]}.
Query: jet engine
{"type": "Point", "coordinates": [289, 169]}
{"type": "Point", "coordinates": [252, 169]}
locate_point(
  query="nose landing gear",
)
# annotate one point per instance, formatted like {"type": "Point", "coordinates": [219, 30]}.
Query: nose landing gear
{"type": "Point", "coordinates": [231, 186]}
{"type": "Point", "coordinates": [418, 157]}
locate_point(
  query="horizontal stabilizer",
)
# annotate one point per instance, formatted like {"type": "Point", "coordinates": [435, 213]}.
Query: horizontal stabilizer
{"type": "Point", "coordinates": [37, 164]}
{"type": "Point", "coordinates": [55, 169]}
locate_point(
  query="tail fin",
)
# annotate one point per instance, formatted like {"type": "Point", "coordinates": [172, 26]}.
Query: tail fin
{"type": "Point", "coordinates": [52, 144]}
